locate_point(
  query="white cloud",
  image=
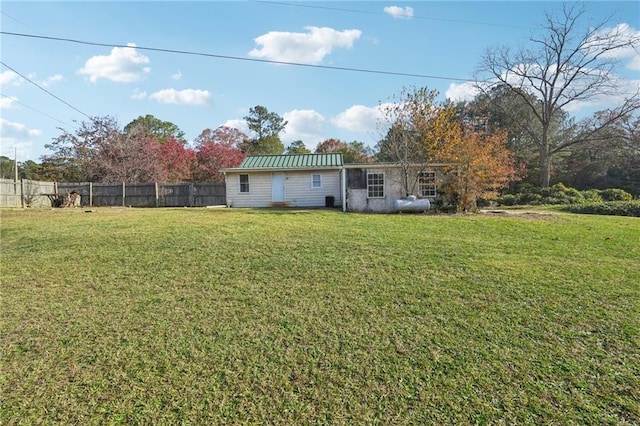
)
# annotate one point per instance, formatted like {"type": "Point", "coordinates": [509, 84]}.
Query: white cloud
{"type": "Point", "coordinates": [7, 102]}
{"type": "Point", "coordinates": [10, 77]}
{"type": "Point", "coordinates": [11, 128]}
{"type": "Point", "coordinates": [138, 94]}
{"type": "Point", "coordinates": [461, 92]}
{"type": "Point", "coordinates": [123, 65]}
{"type": "Point", "coordinates": [624, 89]}
{"type": "Point", "coordinates": [239, 124]}
{"type": "Point", "coordinates": [194, 97]}
{"type": "Point", "coordinates": [53, 79]}
{"type": "Point", "coordinates": [399, 12]}
{"type": "Point", "coordinates": [309, 48]}
{"type": "Point", "coordinates": [303, 124]}
{"type": "Point", "coordinates": [176, 76]}
{"type": "Point", "coordinates": [360, 118]}
{"type": "Point", "coordinates": [634, 64]}
{"type": "Point", "coordinates": [623, 33]}
{"type": "Point", "coordinates": [17, 136]}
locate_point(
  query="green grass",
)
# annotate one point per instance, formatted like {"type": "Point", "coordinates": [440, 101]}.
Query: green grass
{"type": "Point", "coordinates": [216, 316]}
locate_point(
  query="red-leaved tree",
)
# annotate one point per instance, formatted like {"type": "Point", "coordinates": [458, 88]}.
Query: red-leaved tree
{"type": "Point", "coordinates": [211, 157]}
{"type": "Point", "coordinates": [178, 161]}
{"type": "Point", "coordinates": [218, 149]}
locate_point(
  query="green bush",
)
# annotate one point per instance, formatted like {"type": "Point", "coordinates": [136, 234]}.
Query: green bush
{"type": "Point", "coordinates": [507, 200]}
{"type": "Point", "coordinates": [614, 208]}
{"type": "Point", "coordinates": [592, 196]}
{"type": "Point", "coordinates": [529, 198]}
{"type": "Point", "coordinates": [561, 194]}
{"type": "Point", "coordinates": [615, 194]}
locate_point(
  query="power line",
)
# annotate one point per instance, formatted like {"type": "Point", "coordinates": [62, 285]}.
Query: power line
{"type": "Point", "coordinates": [368, 12]}
{"type": "Point", "coordinates": [19, 21]}
{"type": "Point", "coordinates": [36, 110]}
{"type": "Point", "coordinates": [237, 58]}
{"type": "Point", "coordinates": [46, 91]}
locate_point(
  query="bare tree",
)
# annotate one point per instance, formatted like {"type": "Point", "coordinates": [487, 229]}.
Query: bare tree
{"type": "Point", "coordinates": [415, 126]}
{"type": "Point", "coordinates": [565, 66]}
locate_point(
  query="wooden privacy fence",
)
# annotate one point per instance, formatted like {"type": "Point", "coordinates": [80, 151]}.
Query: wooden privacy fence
{"type": "Point", "coordinates": [25, 193]}
{"type": "Point", "coordinates": [118, 194]}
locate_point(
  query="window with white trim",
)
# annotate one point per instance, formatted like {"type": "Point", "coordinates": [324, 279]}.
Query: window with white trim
{"type": "Point", "coordinates": [427, 183]}
{"type": "Point", "coordinates": [375, 185]}
{"type": "Point", "coordinates": [316, 181]}
{"type": "Point", "coordinates": [244, 183]}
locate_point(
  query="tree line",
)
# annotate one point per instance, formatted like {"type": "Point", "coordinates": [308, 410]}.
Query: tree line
{"type": "Point", "coordinates": [152, 150]}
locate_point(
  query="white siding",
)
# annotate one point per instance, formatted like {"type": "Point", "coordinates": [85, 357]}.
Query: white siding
{"type": "Point", "coordinates": [259, 194]}
{"type": "Point", "coordinates": [300, 193]}
{"type": "Point", "coordinates": [298, 189]}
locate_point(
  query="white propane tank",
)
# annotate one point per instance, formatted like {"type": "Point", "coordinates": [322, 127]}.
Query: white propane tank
{"type": "Point", "coordinates": [411, 204]}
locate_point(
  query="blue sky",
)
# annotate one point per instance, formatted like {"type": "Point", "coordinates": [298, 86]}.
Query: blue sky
{"type": "Point", "coordinates": [433, 44]}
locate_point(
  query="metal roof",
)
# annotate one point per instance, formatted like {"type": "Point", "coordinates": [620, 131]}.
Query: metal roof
{"type": "Point", "coordinates": [293, 161]}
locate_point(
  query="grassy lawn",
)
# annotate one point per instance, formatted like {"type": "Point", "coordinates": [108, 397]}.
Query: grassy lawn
{"type": "Point", "coordinates": [216, 316]}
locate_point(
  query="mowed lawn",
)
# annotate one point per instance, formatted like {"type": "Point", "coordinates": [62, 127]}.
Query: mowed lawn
{"type": "Point", "coordinates": [218, 316]}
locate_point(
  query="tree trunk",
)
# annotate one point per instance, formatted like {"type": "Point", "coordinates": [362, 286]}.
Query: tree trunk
{"type": "Point", "coordinates": [545, 170]}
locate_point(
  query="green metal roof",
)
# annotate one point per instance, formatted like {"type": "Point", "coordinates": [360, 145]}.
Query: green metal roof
{"type": "Point", "coordinates": [294, 161]}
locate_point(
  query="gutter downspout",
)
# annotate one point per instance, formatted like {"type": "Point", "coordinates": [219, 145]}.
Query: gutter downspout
{"type": "Point", "coordinates": [344, 189]}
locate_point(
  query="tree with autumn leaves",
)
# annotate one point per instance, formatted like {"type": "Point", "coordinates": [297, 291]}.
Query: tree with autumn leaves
{"type": "Point", "coordinates": [146, 150]}
{"type": "Point", "coordinates": [422, 132]}
{"type": "Point", "coordinates": [218, 149]}
{"type": "Point", "coordinates": [480, 166]}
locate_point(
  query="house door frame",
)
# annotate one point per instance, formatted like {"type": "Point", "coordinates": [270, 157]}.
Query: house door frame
{"type": "Point", "coordinates": [277, 187]}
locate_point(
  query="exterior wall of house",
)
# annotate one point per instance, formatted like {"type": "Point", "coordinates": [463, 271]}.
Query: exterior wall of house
{"type": "Point", "coordinates": [298, 189]}
{"type": "Point", "coordinates": [300, 193]}
{"type": "Point", "coordinates": [259, 194]}
{"type": "Point", "coordinates": [357, 195]}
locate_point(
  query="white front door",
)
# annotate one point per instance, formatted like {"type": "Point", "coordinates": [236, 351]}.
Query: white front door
{"type": "Point", "coordinates": [277, 187]}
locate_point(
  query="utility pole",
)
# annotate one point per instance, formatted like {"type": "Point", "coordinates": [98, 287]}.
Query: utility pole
{"type": "Point", "coordinates": [15, 163]}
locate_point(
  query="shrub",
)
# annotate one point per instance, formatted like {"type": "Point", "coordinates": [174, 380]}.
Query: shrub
{"type": "Point", "coordinates": [529, 198]}
{"type": "Point", "coordinates": [443, 205]}
{"type": "Point", "coordinates": [615, 208]}
{"type": "Point", "coordinates": [507, 200]}
{"type": "Point", "coordinates": [561, 194]}
{"type": "Point", "coordinates": [592, 196]}
{"type": "Point", "coordinates": [615, 194]}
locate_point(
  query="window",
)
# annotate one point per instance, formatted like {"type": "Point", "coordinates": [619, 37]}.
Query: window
{"type": "Point", "coordinates": [375, 185]}
{"type": "Point", "coordinates": [244, 183]}
{"type": "Point", "coordinates": [316, 181]}
{"type": "Point", "coordinates": [427, 183]}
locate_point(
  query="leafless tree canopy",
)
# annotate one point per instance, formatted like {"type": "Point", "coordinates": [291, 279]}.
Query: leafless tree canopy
{"type": "Point", "coordinates": [566, 65]}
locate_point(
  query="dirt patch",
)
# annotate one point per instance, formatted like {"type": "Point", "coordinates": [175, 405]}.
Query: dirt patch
{"type": "Point", "coordinates": [522, 214]}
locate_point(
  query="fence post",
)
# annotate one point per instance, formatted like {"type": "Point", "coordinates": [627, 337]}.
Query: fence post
{"type": "Point", "coordinates": [124, 193]}
{"type": "Point", "coordinates": [22, 193]}
{"type": "Point", "coordinates": [90, 194]}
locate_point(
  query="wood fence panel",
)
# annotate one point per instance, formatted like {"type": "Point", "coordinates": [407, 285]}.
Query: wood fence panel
{"type": "Point", "coordinates": [140, 195]}
{"type": "Point", "coordinates": [210, 194]}
{"type": "Point", "coordinates": [23, 193]}
{"type": "Point", "coordinates": [175, 194]}
{"type": "Point", "coordinates": [108, 194]}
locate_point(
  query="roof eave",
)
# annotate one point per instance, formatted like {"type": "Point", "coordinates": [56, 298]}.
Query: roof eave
{"type": "Point", "coordinates": [280, 169]}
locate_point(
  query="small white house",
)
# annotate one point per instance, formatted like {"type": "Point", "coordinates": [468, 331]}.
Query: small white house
{"type": "Point", "coordinates": [297, 180]}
